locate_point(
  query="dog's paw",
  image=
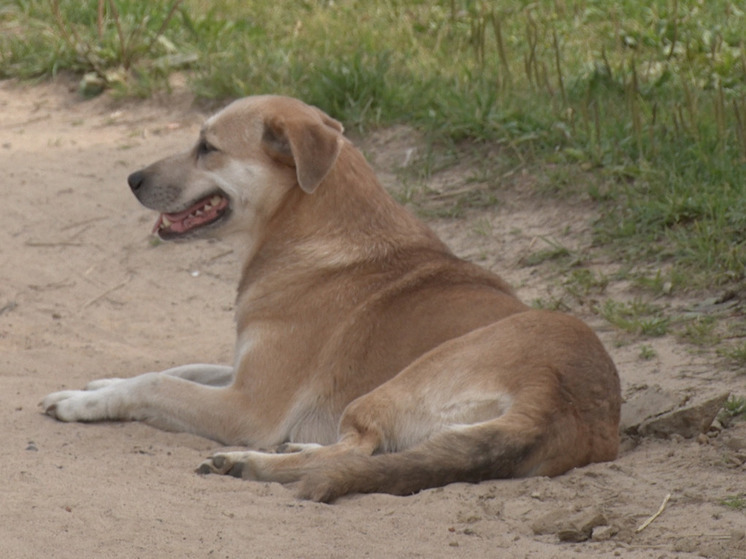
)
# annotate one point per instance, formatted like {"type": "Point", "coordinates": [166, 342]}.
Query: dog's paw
{"type": "Point", "coordinates": [236, 464]}
{"type": "Point", "coordinates": [92, 404]}
{"type": "Point", "coordinates": [50, 403]}
{"type": "Point", "coordinates": [76, 405]}
{"type": "Point", "coordinates": [61, 405]}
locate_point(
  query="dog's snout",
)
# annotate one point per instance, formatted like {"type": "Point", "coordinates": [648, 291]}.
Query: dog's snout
{"type": "Point", "coordinates": [135, 180]}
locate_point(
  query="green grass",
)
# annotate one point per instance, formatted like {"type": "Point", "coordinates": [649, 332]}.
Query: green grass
{"type": "Point", "coordinates": [647, 353]}
{"type": "Point", "coordinates": [735, 407]}
{"type": "Point", "coordinates": [640, 106]}
{"type": "Point", "coordinates": [636, 317]}
{"type": "Point", "coordinates": [737, 354]}
{"type": "Point", "coordinates": [737, 502]}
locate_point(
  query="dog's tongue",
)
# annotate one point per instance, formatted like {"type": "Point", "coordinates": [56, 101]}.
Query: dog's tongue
{"type": "Point", "coordinates": [200, 213]}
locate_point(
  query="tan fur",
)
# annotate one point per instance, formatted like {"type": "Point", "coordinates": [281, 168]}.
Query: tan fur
{"type": "Point", "coordinates": [358, 330]}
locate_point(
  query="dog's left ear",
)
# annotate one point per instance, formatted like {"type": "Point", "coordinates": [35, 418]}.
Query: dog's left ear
{"type": "Point", "coordinates": [309, 145]}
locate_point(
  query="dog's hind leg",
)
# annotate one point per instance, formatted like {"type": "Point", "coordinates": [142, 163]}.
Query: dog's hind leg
{"type": "Point", "coordinates": [491, 404]}
{"type": "Point", "coordinates": [288, 464]}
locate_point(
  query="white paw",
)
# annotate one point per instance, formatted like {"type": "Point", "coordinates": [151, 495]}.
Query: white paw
{"type": "Point", "coordinates": [81, 405]}
{"type": "Point", "coordinates": [49, 404]}
{"type": "Point", "coordinates": [75, 405]}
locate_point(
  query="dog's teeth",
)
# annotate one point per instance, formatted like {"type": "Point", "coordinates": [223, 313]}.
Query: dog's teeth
{"type": "Point", "coordinates": [165, 222]}
{"type": "Point", "coordinates": [200, 212]}
{"type": "Point", "coordinates": [215, 200]}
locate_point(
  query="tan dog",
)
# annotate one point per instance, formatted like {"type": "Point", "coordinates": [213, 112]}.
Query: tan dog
{"type": "Point", "coordinates": [357, 329]}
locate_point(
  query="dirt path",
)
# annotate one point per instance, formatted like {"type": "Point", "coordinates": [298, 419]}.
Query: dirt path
{"type": "Point", "coordinates": [85, 294]}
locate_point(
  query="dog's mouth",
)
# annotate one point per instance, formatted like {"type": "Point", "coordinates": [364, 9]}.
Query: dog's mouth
{"type": "Point", "coordinates": [207, 211]}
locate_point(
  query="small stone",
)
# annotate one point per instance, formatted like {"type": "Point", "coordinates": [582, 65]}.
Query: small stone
{"type": "Point", "coordinates": [602, 533]}
{"type": "Point", "coordinates": [646, 402]}
{"type": "Point", "coordinates": [716, 426]}
{"type": "Point", "coordinates": [572, 535]}
{"type": "Point", "coordinates": [91, 85]}
{"type": "Point", "coordinates": [569, 527]}
{"type": "Point", "coordinates": [688, 421]}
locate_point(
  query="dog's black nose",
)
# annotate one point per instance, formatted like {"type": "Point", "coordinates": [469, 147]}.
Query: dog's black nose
{"type": "Point", "coordinates": [135, 180]}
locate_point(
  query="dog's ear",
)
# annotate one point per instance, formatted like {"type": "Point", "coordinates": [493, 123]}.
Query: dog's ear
{"type": "Point", "coordinates": [312, 147]}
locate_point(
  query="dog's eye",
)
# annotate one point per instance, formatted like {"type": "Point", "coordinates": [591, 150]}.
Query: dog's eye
{"type": "Point", "coordinates": [204, 147]}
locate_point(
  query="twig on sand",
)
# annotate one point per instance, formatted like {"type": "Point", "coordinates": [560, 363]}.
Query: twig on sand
{"type": "Point", "coordinates": [656, 515]}
{"type": "Point", "coordinates": [105, 293]}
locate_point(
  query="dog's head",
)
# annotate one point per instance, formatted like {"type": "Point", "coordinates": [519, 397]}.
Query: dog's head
{"type": "Point", "coordinates": [247, 158]}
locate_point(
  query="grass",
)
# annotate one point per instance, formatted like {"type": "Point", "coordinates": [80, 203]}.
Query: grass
{"type": "Point", "coordinates": [737, 354]}
{"type": "Point", "coordinates": [737, 502]}
{"type": "Point", "coordinates": [647, 353]}
{"type": "Point", "coordinates": [636, 317]}
{"type": "Point", "coordinates": [640, 106]}
{"type": "Point", "coordinates": [735, 407]}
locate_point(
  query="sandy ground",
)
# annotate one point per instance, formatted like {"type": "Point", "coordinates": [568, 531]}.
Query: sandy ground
{"type": "Point", "coordinates": [86, 294]}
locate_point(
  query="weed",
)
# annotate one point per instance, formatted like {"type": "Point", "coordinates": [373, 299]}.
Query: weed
{"type": "Point", "coordinates": [647, 352]}
{"type": "Point", "coordinates": [636, 317]}
{"type": "Point", "coordinates": [483, 228]}
{"type": "Point", "coordinates": [737, 354]}
{"type": "Point", "coordinates": [555, 252]}
{"type": "Point", "coordinates": [700, 331]}
{"type": "Point", "coordinates": [737, 502]}
{"type": "Point", "coordinates": [552, 304]}
{"type": "Point", "coordinates": [582, 282]}
{"type": "Point", "coordinates": [735, 407]}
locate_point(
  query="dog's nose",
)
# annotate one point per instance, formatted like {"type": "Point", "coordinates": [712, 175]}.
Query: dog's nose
{"type": "Point", "coordinates": [135, 180]}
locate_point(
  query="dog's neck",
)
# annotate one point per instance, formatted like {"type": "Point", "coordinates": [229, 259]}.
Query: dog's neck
{"type": "Point", "coordinates": [349, 221]}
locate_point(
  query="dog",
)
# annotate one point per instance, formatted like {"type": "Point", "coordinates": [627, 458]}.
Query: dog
{"type": "Point", "coordinates": [368, 357]}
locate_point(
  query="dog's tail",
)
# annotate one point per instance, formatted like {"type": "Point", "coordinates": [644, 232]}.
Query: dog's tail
{"type": "Point", "coordinates": [467, 454]}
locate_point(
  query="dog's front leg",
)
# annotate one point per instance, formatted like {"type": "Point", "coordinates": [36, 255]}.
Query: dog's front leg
{"type": "Point", "coordinates": [169, 400]}
{"type": "Point", "coordinates": [201, 373]}
{"type": "Point", "coordinates": [210, 375]}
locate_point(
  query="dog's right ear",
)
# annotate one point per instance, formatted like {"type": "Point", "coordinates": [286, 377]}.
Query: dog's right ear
{"type": "Point", "coordinates": [309, 145]}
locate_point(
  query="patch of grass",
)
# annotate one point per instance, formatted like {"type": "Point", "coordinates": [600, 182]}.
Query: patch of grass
{"type": "Point", "coordinates": [551, 304]}
{"type": "Point", "coordinates": [701, 331]}
{"type": "Point", "coordinates": [636, 317]}
{"type": "Point", "coordinates": [554, 253]}
{"type": "Point", "coordinates": [119, 44]}
{"type": "Point", "coordinates": [735, 407]}
{"type": "Point", "coordinates": [581, 282]}
{"type": "Point", "coordinates": [737, 502]}
{"type": "Point", "coordinates": [737, 354]}
{"type": "Point", "coordinates": [647, 352]}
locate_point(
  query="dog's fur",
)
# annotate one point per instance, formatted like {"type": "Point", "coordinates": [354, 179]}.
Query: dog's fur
{"type": "Point", "coordinates": [367, 353]}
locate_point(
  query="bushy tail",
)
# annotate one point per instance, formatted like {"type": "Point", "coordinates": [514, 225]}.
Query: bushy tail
{"type": "Point", "coordinates": [466, 454]}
